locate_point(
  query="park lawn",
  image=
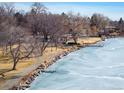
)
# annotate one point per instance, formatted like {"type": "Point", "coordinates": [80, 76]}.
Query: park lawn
{"type": "Point", "coordinates": [88, 40]}
{"type": "Point", "coordinates": [6, 65]}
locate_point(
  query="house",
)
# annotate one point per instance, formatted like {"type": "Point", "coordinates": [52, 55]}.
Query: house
{"type": "Point", "coordinates": [66, 37]}
{"type": "Point", "coordinates": [109, 31]}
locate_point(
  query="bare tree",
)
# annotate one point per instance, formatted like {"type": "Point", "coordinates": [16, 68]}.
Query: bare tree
{"type": "Point", "coordinates": [55, 28]}
{"type": "Point", "coordinates": [6, 21]}
{"type": "Point", "coordinates": [99, 21]}
{"type": "Point", "coordinates": [37, 21]}
{"type": "Point", "coordinates": [121, 25]}
{"type": "Point", "coordinates": [38, 8]}
{"type": "Point", "coordinates": [19, 47]}
{"type": "Point", "coordinates": [73, 23]}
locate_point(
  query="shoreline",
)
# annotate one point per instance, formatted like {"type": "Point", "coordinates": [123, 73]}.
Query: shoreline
{"type": "Point", "coordinates": [26, 80]}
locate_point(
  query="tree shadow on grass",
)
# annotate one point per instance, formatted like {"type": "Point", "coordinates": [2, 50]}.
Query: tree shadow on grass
{"type": "Point", "coordinates": [8, 77]}
{"type": "Point", "coordinates": [3, 71]}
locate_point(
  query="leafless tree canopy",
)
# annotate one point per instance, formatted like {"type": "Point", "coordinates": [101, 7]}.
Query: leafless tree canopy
{"type": "Point", "coordinates": [27, 35]}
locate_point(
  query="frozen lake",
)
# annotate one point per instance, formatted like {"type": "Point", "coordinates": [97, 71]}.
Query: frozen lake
{"type": "Point", "coordinates": [87, 68]}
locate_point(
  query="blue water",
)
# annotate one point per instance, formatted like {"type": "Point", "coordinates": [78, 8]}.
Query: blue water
{"type": "Point", "coordinates": [87, 68]}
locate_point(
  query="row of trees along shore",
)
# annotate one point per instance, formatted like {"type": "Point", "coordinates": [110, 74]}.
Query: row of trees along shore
{"type": "Point", "coordinates": [27, 34]}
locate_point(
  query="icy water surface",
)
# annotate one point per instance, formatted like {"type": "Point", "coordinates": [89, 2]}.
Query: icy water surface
{"type": "Point", "coordinates": [87, 68]}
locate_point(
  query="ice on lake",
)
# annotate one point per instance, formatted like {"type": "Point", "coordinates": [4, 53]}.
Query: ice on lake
{"type": "Point", "coordinates": [87, 68]}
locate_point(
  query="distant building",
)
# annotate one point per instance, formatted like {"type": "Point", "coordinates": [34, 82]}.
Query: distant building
{"type": "Point", "coordinates": [108, 31]}
{"type": "Point", "coordinates": [66, 37]}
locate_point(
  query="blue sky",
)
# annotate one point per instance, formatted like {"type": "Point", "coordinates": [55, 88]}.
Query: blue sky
{"type": "Point", "coordinates": [113, 10]}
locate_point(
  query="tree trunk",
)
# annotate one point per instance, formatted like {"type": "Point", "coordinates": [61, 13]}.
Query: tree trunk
{"type": "Point", "coordinates": [45, 38]}
{"type": "Point", "coordinates": [14, 66]}
{"type": "Point", "coordinates": [75, 41]}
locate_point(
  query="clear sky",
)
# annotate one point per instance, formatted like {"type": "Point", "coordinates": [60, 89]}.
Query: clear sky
{"type": "Point", "coordinates": [113, 10]}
